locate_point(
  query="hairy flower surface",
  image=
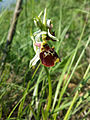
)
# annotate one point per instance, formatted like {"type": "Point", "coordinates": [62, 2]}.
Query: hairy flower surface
{"type": "Point", "coordinates": [48, 55]}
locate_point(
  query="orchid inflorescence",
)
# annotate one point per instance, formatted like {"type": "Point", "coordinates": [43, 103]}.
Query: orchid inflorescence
{"type": "Point", "coordinates": [40, 38]}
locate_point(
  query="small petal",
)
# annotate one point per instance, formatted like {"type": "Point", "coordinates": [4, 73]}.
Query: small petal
{"type": "Point", "coordinates": [35, 48]}
{"type": "Point", "coordinates": [35, 59]}
{"type": "Point", "coordinates": [51, 36]}
{"type": "Point", "coordinates": [48, 38]}
{"type": "Point", "coordinates": [38, 44]}
{"type": "Point", "coordinates": [49, 23]}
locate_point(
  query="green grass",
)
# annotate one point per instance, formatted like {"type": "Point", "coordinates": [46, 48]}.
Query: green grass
{"type": "Point", "coordinates": [24, 91]}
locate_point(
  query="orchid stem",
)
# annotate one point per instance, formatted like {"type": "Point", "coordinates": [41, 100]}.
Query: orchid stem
{"type": "Point", "coordinates": [50, 90]}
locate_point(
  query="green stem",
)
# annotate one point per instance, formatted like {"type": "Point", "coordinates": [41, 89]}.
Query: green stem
{"type": "Point", "coordinates": [69, 110]}
{"type": "Point", "coordinates": [50, 91]}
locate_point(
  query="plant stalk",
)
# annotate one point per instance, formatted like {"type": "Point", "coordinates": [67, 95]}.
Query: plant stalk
{"type": "Point", "coordinates": [50, 90]}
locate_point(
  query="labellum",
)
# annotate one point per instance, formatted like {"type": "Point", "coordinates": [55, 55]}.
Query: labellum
{"type": "Point", "coordinates": [48, 56]}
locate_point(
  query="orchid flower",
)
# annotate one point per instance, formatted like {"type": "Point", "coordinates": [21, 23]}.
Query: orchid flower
{"type": "Point", "coordinates": [47, 55]}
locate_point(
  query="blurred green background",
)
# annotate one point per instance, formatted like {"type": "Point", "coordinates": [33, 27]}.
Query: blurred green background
{"type": "Point", "coordinates": [69, 18]}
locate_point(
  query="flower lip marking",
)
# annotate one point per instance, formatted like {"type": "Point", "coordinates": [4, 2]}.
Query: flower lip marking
{"type": "Point", "coordinates": [48, 56]}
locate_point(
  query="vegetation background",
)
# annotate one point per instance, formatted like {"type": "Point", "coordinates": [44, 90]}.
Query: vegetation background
{"type": "Point", "coordinates": [23, 96]}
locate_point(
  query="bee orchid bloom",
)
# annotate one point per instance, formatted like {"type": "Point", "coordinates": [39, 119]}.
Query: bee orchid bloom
{"type": "Point", "coordinates": [47, 55]}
